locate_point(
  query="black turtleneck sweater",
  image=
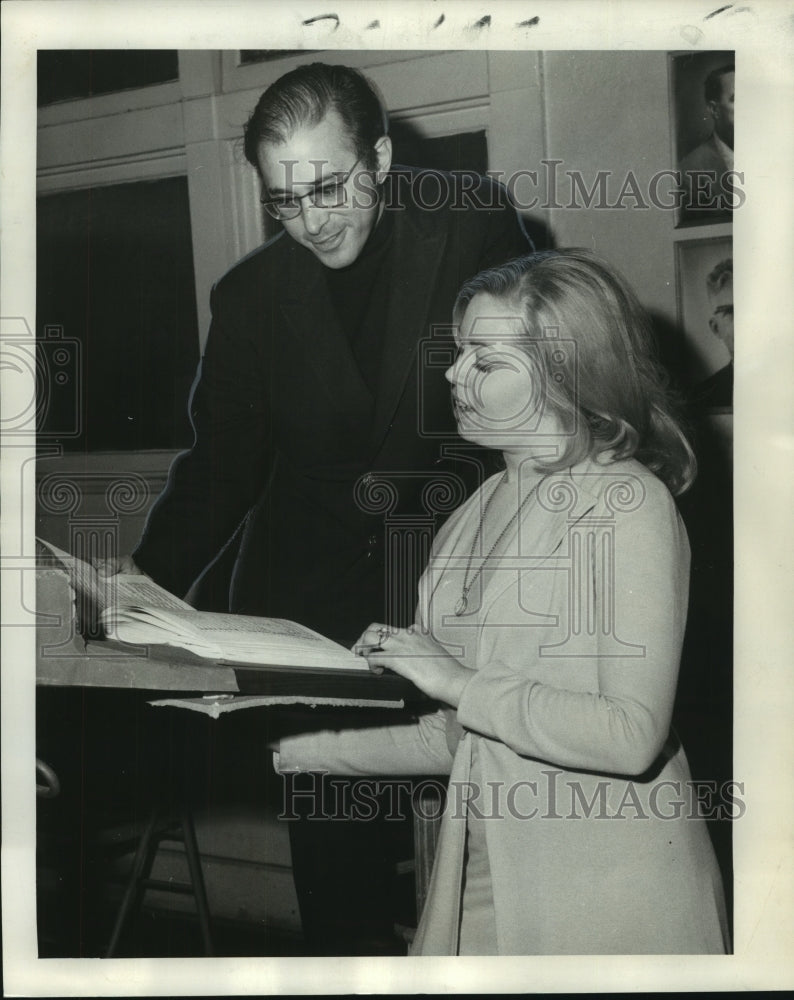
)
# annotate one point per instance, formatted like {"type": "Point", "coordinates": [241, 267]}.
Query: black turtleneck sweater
{"type": "Point", "coordinates": [359, 293]}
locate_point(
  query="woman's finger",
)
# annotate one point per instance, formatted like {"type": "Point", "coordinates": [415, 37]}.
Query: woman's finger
{"type": "Point", "coordinates": [375, 637]}
{"type": "Point", "coordinates": [378, 661]}
{"type": "Point", "coordinates": [367, 640]}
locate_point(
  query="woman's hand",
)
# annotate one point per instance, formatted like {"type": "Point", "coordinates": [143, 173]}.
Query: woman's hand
{"type": "Point", "coordinates": [417, 657]}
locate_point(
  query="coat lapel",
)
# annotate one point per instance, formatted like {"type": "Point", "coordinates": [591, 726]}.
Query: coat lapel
{"type": "Point", "coordinates": [438, 932]}
{"type": "Point", "coordinates": [417, 254]}
{"type": "Point", "coordinates": [312, 322]}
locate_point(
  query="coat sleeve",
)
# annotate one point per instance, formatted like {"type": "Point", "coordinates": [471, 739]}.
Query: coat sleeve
{"type": "Point", "coordinates": [212, 486]}
{"type": "Point", "coordinates": [413, 748]}
{"type": "Point", "coordinates": [621, 726]}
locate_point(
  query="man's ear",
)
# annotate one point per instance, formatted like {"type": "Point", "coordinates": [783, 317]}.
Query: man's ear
{"type": "Point", "coordinates": [383, 151]}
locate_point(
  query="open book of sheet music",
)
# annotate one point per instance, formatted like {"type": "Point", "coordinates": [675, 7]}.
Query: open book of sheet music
{"type": "Point", "coordinates": [133, 609]}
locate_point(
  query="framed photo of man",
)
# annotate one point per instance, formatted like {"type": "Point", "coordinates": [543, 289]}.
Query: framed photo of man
{"type": "Point", "coordinates": [702, 102]}
{"type": "Point", "coordinates": [704, 279]}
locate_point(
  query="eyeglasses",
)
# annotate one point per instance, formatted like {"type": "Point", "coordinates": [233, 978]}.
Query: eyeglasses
{"type": "Point", "coordinates": [331, 193]}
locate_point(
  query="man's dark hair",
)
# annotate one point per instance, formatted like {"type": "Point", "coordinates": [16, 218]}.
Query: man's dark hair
{"type": "Point", "coordinates": [304, 96]}
{"type": "Point", "coordinates": [712, 86]}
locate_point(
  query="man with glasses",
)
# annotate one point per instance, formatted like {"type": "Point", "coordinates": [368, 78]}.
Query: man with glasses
{"type": "Point", "coordinates": [310, 389]}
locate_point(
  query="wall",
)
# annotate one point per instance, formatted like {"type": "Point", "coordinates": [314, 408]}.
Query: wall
{"type": "Point", "coordinates": [194, 126]}
{"type": "Point", "coordinates": [594, 111]}
{"type": "Point", "coordinates": [609, 111]}
{"type": "Point", "coordinates": [84, 490]}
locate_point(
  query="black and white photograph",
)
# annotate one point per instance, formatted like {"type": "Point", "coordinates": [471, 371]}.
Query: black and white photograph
{"type": "Point", "coordinates": [378, 524]}
{"type": "Point", "coordinates": [703, 86]}
{"type": "Point", "coordinates": [704, 273]}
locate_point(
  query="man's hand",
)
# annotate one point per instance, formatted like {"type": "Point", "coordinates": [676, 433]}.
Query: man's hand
{"type": "Point", "coordinates": [417, 657]}
{"type": "Point", "coordinates": [117, 564]}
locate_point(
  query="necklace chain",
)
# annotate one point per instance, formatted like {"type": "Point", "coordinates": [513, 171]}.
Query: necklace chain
{"type": "Point", "coordinates": [463, 601]}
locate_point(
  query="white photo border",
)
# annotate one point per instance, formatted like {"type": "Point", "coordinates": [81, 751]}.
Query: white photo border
{"type": "Point", "coordinates": [762, 36]}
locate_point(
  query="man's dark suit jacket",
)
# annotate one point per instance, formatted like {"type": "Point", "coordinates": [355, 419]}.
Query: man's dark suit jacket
{"type": "Point", "coordinates": [290, 439]}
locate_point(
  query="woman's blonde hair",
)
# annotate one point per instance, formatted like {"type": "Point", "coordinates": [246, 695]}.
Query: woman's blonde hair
{"type": "Point", "coordinates": [593, 343]}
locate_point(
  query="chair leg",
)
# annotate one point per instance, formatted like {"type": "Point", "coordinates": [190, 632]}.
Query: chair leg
{"type": "Point", "coordinates": [197, 878]}
{"type": "Point", "coordinates": [141, 869]}
{"type": "Point", "coordinates": [139, 865]}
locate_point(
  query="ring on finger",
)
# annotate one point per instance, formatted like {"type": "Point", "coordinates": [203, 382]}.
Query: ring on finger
{"type": "Point", "coordinates": [383, 633]}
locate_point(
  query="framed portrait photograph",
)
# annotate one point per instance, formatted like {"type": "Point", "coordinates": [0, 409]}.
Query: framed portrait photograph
{"type": "Point", "coordinates": [704, 282]}
{"type": "Point", "coordinates": [702, 109]}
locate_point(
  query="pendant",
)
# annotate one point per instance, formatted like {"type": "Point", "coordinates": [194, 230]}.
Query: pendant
{"type": "Point", "coordinates": [461, 606]}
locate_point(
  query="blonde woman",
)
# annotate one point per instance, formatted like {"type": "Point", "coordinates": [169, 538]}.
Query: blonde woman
{"type": "Point", "coordinates": [549, 627]}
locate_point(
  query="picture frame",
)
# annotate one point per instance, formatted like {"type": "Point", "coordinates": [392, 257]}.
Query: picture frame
{"type": "Point", "coordinates": [709, 186]}
{"type": "Point", "coordinates": [704, 293]}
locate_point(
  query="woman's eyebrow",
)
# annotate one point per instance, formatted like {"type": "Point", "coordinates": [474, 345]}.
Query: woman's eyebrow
{"type": "Point", "coordinates": [491, 341]}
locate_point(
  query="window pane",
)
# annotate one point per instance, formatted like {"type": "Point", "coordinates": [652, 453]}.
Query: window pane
{"type": "Point", "coordinates": [116, 316]}
{"type": "Point", "coordinates": [463, 151]}
{"type": "Point", "coordinates": [64, 75]}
